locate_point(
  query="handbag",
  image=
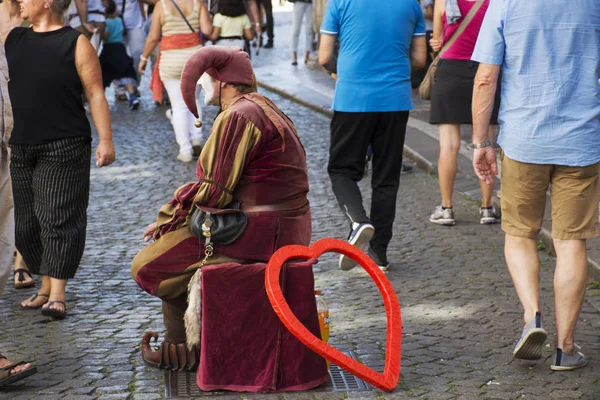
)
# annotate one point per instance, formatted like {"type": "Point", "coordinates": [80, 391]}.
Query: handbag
{"type": "Point", "coordinates": [217, 225]}
{"type": "Point", "coordinates": [427, 84]}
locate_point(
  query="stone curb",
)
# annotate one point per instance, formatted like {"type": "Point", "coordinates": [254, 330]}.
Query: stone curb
{"type": "Point", "coordinates": [545, 235]}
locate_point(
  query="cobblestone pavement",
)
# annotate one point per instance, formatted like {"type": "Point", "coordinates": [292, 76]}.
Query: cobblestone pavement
{"type": "Point", "coordinates": [461, 316]}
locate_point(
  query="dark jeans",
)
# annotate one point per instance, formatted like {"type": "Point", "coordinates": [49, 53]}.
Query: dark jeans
{"type": "Point", "coordinates": [351, 135]}
{"type": "Point", "coordinates": [269, 14]}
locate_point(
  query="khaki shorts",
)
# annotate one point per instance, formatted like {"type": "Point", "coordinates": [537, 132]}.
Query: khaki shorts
{"type": "Point", "coordinates": [573, 193]}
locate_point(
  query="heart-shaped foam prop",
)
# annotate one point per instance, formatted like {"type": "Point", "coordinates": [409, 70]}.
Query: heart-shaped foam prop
{"type": "Point", "coordinates": [386, 381]}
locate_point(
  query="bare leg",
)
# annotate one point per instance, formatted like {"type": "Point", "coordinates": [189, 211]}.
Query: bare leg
{"type": "Point", "coordinates": [570, 279]}
{"type": "Point", "coordinates": [294, 57]}
{"type": "Point", "coordinates": [524, 267]}
{"type": "Point", "coordinates": [449, 146]}
{"type": "Point", "coordinates": [130, 88]}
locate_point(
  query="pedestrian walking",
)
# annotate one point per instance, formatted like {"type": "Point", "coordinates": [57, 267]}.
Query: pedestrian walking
{"type": "Point", "coordinates": [267, 6]}
{"type": "Point", "coordinates": [114, 60]}
{"type": "Point", "coordinates": [51, 145]}
{"type": "Point", "coordinates": [10, 372]}
{"type": "Point", "coordinates": [451, 98]}
{"type": "Point", "coordinates": [252, 10]}
{"type": "Point", "coordinates": [303, 11]}
{"type": "Point", "coordinates": [230, 26]}
{"type": "Point", "coordinates": [87, 16]}
{"type": "Point", "coordinates": [417, 75]}
{"type": "Point", "coordinates": [10, 17]}
{"type": "Point", "coordinates": [134, 36]}
{"type": "Point", "coordinates": [176, 24]}
{"type": "Point", "coordinates": [549, 126]}
{"type": "Point", "coordinates": [371, 105]}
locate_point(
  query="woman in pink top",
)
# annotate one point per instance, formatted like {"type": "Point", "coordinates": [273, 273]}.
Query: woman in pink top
{"type": "Point", "coordinates": [451, 103]}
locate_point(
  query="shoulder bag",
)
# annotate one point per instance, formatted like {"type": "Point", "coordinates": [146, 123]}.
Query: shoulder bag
{"type": "Point", "coordinates": [427, 84]}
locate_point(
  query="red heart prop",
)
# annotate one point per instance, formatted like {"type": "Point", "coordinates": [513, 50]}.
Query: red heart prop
{"type": "Point", "coordinates": [391, 374]}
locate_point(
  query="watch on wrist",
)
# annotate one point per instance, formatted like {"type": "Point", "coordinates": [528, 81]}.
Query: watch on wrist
{"type": "Point", "coordinates": [481, 145]}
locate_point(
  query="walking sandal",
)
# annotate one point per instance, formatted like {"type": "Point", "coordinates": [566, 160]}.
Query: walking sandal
{"type": "Point", "coordinates": [6, 375]}
{"type": "Point", "coordinates": [21, 283]}
{"type": "Point", "coordinates": [35, 296]}
{"type": "Point", "coordinates": [54, 313]}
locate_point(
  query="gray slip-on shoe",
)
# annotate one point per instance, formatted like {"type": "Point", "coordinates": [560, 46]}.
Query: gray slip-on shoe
{"type": "Point", "coordinates": [529, 346]}
{"type": "Point", "coordinates": [568, 362]}
{"type": "Point", "coordinates": [359, 237]}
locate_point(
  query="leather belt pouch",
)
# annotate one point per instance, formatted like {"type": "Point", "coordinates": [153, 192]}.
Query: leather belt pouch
{"type": "Point", "coordinates": [228, 224]}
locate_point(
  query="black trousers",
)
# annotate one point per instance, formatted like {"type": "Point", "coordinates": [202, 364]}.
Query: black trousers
{"type": "Point", "coordinates": [351, 134]}
{"type": "Point", "coordinates": [51, 187]}
{"type": "Point", "coordinates": [269, 14]}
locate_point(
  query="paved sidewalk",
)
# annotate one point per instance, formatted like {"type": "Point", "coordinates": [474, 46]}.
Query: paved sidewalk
{"type": "Point", "coordinates": [460, 314]}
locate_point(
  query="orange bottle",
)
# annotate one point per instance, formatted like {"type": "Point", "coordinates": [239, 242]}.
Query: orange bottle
{"type": "Point", "coordinates": [323, 312]}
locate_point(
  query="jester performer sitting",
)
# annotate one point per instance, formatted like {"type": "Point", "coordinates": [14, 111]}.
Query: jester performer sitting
{"type": "Point", "coordinates": [253, 157]}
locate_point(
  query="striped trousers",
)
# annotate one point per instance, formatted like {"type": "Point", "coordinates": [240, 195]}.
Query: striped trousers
{"type": "Point", "coordinates": [51, 187]}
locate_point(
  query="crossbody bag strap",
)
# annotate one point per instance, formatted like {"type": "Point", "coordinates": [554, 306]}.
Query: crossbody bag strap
{"type": "Point", "coordinates": [183, 16]}
{"type": "Point", "coordinates": [123, 10]}
{"type": "Point", "coordinates": [463, 25]}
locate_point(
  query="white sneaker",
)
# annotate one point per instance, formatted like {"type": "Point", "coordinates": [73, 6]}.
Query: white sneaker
{"type": "Point", "coordinates": [442, 216]}
{"type": "Point", "coordinates": [359, 237]}
{"type": "Point", "coordinates": [488, 216]}
{"type": "Point", "coordinates": [185, 157]}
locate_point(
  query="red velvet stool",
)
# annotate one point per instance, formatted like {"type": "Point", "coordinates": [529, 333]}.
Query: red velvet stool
{"type": "Point", "coordinates": [244, 345]}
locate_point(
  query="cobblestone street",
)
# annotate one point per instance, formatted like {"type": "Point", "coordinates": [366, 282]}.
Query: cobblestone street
{"type": "Point", "coordinates": [461, 316]}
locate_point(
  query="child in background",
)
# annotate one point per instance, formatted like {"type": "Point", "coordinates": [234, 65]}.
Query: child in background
{"type": "Point", "coordinates": [231, 25]}
{"type": "Point", "coordinates": [114, 60]}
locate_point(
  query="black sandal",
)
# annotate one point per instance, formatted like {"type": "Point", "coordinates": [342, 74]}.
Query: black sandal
{"type": "Point", "coordinates": [32, 299]}
{"type": "Point", "coordinates": [21, 284]}
{"type": "Point", "coordinates": [50, 312]}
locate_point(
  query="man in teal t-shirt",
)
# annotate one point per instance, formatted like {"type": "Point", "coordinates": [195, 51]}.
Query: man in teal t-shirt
{"type": "Point", "coordinates": [379, 40]}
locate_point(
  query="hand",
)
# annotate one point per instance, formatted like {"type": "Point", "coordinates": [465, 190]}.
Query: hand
{"type": "Point", "coordinates": [142, 66]}
{"type": "Point", "coordinates": [91, 28]}
{"type": "Point", "coordinates": [105, 153]}
{"type": "Point", "coordinates": [485, 165]}
{"type": "Point", "coordinates": [149, 232]}
{"type": "Point", "coordinates": [258, 29]}
{"type": "Point", "coordinates": [435, 44]}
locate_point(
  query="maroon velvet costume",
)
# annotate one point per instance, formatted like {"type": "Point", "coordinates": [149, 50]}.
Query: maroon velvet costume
{"type": "Point", "coordinates": [253, 155]}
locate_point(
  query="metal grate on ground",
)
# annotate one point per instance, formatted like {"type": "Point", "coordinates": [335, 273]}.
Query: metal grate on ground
{"type": "Point", "coordinates": [183, 384]}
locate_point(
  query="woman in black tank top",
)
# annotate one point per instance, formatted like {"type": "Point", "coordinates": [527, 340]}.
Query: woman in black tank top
{"type": "Point", "coordinates": [51, 67]}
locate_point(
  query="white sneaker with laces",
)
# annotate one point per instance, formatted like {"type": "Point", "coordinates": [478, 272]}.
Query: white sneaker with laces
{"type": "Point", "coordinates": [359, 237]}
{"type": "Point", "coordinates": [488, 216]}
{"type": "Point", "coordinates": [442, 216]}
